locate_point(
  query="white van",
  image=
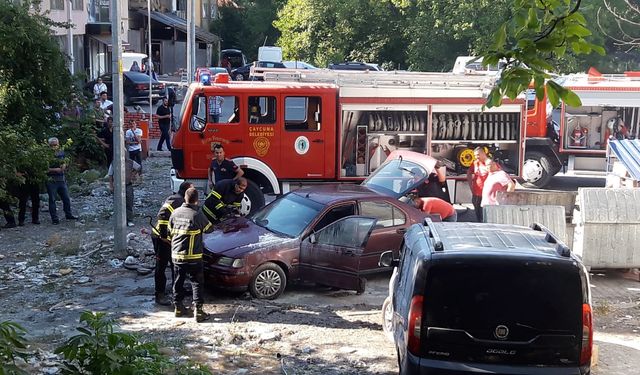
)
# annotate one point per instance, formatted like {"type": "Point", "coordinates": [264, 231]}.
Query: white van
{"type": "Point", "coordinates": [127, 60]}
{"type": "Point", "coordinates": [129, 57]}
{"type": "Point", "coordinates": [270, 53]}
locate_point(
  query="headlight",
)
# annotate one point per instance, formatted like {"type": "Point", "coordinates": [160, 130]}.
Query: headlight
{"type": "Point", "coordinates": [230, 262]}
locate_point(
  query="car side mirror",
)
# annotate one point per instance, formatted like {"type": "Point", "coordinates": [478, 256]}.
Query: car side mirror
{"type": "Point", "coordinates": [387, 260]}
{"type": "Point", "coordinates": [312, 238]}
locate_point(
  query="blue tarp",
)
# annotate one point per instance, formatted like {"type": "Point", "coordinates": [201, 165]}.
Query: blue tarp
{"type": "Point", "coordinates": [628, 152]}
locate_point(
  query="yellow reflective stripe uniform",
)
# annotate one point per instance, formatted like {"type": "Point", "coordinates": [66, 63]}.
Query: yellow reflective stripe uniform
{"type": "Point", "coordinates": [170, 204]}
{"type": "Point", "coordinates": [186, 227]}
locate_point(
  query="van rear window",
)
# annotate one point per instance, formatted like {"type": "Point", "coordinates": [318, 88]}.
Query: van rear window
{"type": "Point", "coordinates": [531, 300]}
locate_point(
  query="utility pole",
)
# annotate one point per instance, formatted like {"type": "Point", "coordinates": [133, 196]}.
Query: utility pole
{"type": "Point", "coordinates": [192, 31]}
{"type": "Point", "coordinates": [191, 40]}
{"type": "Point", "coordinates": [70, 37]}
{"type": "Point", "coordinates": [119, 217]}
{"type": "Point", "coordinates": [151, 66]}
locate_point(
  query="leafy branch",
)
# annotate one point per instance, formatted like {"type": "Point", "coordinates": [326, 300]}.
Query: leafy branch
{"type": "Point", "coordinates": [525, 45]}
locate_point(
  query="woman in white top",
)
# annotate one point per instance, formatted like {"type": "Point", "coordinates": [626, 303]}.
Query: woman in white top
{"type": "Point", "coordinates": [98, 88]}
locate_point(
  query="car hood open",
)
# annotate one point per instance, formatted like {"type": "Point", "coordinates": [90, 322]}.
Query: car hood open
{"type": "Point", "coordinates": [388, 178]}
{"type": "Point", "coordinates": [241, 236]}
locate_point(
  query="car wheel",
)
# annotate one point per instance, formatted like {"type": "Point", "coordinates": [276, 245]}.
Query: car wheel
{"type": "Point", "coordinates": [536, 170]}
{"type": "Point", "coordinates": [268, 282]}
{"type": "Point", "coordinates": [238, 77]}
{"type": "Point", "coordinates": [387, 318]}
{"type": "Point", "coordinates": [253, 198]}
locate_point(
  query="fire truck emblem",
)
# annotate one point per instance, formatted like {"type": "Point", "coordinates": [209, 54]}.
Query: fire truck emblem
{"type": "Point", "coordinates": [261, 145]}
{"type": "Point", "coordinates": [301, 145]}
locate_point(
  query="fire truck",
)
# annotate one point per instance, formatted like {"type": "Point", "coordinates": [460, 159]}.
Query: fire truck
{"type": "Point", "coordinates": [576, 138]}
{"type": "Point", "coordinates": [311, 127]}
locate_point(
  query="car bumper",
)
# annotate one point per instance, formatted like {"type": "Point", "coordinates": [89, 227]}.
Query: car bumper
{"type": "Point", "coordinates": [234, 279]}
{"type": "Point", "coordinates": [422, 366]}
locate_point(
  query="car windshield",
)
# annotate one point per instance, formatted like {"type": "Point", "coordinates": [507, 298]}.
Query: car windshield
{"type": "Point", "coordinates": [289, 215]}
{"type": "Point", "coordinates": [396, 177]}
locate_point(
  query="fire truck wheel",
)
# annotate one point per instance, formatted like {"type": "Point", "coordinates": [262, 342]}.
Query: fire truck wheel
{"type": "Point", "coordinates": [536, 170]}
{"type": "Point", "coordinates": [253, 198]}
{"type": "Point", "coordinates": [268, 281]}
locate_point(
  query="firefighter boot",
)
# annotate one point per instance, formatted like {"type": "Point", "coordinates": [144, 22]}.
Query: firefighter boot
{"type": "Point", "coordinates": [180, 311]}
{"type": "Point", "coordinates": [162, 300]}
{"type": "Point", "coordinates": [199, 314]}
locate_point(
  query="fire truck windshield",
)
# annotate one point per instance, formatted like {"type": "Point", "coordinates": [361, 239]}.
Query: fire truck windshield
{"type": "Point", "coordinates": [187, 99]}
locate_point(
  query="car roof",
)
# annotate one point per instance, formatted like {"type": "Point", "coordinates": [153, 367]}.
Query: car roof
{"type": "Point", "coordinates": [328, 194]}
{"type": "Point", "coordinates": [481, 238]}
{"type": "Point", "coordinates": [137, 76]}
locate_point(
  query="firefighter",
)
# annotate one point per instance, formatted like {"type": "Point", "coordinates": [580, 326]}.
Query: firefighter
{"type": "Point", "coordinates": [186, 227]}
{"type": "Point", "coordinates": [162, 244]}
{"type": "Point", "coordinates": [224, 199]}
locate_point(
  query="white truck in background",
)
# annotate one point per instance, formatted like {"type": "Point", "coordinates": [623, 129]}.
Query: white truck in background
{"type": "Point", "coordinates": [270, 53]}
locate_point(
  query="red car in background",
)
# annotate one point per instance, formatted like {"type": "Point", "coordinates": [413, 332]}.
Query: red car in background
{"type": "Point", "coordinates": [329, 234]}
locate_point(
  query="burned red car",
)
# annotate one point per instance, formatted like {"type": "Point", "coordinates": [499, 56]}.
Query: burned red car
{"type": "Point", "coordinates": [328, 234]}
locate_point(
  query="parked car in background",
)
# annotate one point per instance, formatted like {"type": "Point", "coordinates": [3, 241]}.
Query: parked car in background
{"type": "Point", "coordinates": [135, 87]}
{"type": "Point", "coordinates": [217, 69]}
{"type": "Point", "coordinates": [472, 298]}
{"type": "Point", "coordinates": [243, 73]}
{"type": "Point", "coordinates": [298, 65]}
{"type": "Point", "coordinates": [354, 65]}
{"type": "Point", "coordinates": [235, 57]}
{"type": "Point", "coordinates": [317, 234]}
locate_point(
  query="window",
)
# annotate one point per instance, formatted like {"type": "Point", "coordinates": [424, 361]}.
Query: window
{"type": "Point", "coordinates": [348, 232]}
{"type": "Point", "coordinates": [388, 215]}
{"type": "Point", "coordinates": [223, 109]}
{"type": "Point", "coordinates": [335, 214]}
{"type": "Point", "coordinates": [57, 4]}
{"type": "Point", "coordinates": [262, 110]}
{"type": "Point", "coordinates": [302, 113]}
{"type": "Point", "coordinates": [77, 4]}
{"type": "Point", "coordinates": [199, 113]}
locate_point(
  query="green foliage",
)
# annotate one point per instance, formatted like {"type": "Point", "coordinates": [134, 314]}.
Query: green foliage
{"type": "Point", "coordinates": [24, 159]}
{"type": "Point", "coordinates": [248, 26]}
{"type": "Point", "coordinates": [527, 43]}
{"type": "Point", "coordinates": [13, 346]}
{"type": "Point", "coordinates": [99, 349]}
{"type": "Point", "coordinates": [34, 79]}
{"type": "Point", "coordinates": [35, 84]}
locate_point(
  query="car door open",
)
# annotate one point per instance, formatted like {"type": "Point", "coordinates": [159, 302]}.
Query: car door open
{"type": "Point", "coordinates": [331, 256]}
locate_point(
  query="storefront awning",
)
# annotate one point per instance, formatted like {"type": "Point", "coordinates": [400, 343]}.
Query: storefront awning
{"type": "Point", "coordinates": [181, 24]}
{"type": "Point", "coordinates": [106, 40]}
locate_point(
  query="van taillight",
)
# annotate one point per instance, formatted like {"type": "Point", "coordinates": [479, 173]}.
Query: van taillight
{"type": "Point", "coordinates": [415, 324]}
{"type": "Point", "coordinates": [587, 335]}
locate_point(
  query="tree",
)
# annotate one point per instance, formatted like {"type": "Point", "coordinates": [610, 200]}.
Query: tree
{"type": "Point", "coordinates": [527, 43]}
{"type": "Point", "coordinates": [248, 25]}
{"type": "Point", "coordinates": [34, 83]}
{"type": "Point", "coordinates": [627, 20]}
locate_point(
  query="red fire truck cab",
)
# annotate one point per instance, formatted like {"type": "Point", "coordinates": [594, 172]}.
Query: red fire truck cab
{"type": "Point", "coordinates": [298, 129]}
